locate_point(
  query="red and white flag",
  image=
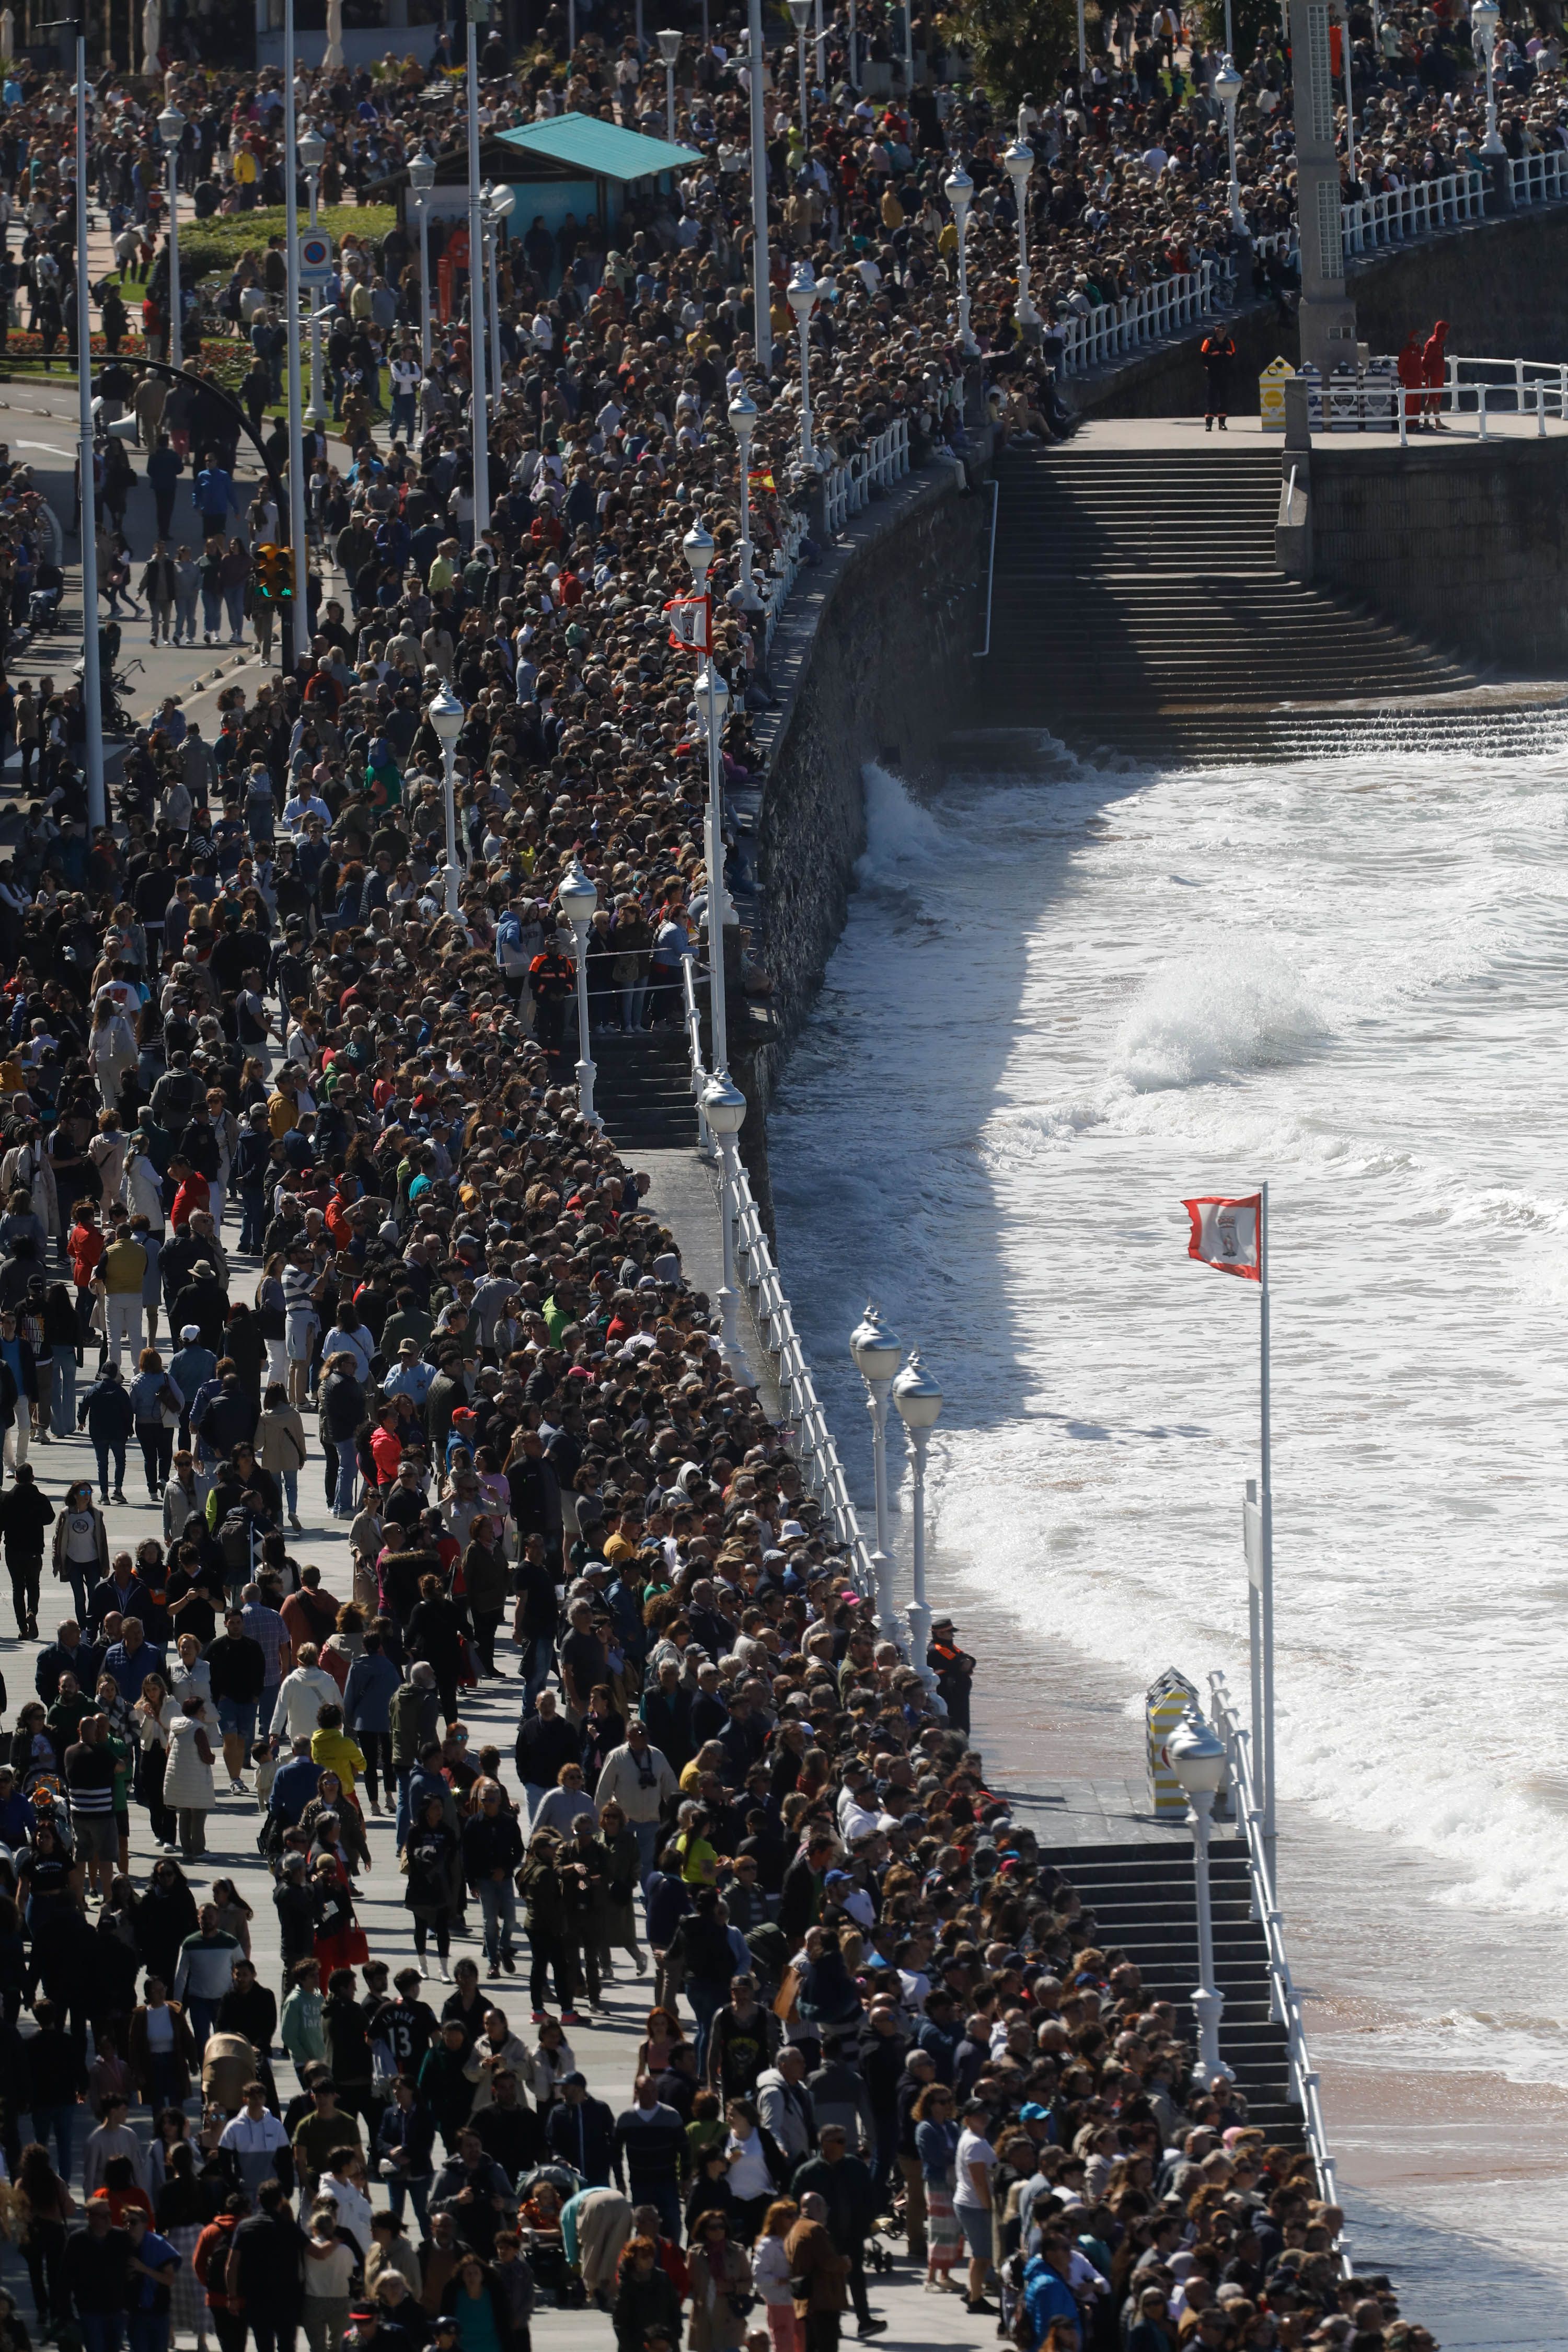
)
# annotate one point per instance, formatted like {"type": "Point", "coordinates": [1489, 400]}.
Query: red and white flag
{"type": "Point", "coordinates": [690, 623]}
{"type": "Point", "coordinates": [1225, 1234]}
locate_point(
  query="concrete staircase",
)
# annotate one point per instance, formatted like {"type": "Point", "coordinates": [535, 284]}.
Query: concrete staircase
{"type": "Point", "coordinates": [1137, 606]}
{"type": "Point", "coordinates": [643, 1090]}
{"type": "Point", "coordinates": [1144, 1903]}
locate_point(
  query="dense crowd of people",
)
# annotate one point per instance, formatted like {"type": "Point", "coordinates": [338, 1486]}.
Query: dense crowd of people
{"type": "Point", "coordinates": [293, 1176]}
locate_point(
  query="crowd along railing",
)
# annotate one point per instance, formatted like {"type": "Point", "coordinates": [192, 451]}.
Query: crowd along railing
{"type": "Point", "coordinates": [1538, 179]}
{"type": "Point", "coordinates": [848, 487]}
{"type": "Point", "coordinates": [1283, 1995]}
{"type": "Point", "coordinates": [1109, 331]}
{"type": "Point", "coordinates": [1419, 210]}
{"type": "Point", "coordinates": [784, 572]}
{"type": "Point", "coordinates": [813, 1447]}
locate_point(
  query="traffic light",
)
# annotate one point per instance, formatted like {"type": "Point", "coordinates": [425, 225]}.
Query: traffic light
{"type": "Point", "coordinates": [274, 574]}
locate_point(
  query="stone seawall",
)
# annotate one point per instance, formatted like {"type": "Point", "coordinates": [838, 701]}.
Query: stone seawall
{"type": "Point", "coordinates": [872, 659]}
{"type": "Point", "coordinates": [1467, 544]}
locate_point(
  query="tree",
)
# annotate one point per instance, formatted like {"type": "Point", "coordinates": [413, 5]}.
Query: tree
{"type": "Point", "coordinates": [1018, 45]}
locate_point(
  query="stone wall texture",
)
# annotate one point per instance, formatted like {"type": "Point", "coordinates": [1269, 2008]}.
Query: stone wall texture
{"type": "Point", "coordinates": [872, 660]}
{"type": "Point", "coordinates": [1468, 544]}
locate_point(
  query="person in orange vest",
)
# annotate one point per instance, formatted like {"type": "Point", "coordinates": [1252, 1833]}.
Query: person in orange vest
{"type": "Point", "coordinates": [1217, 350]}
{"type": "Point", "coordinates": [955, 1672]}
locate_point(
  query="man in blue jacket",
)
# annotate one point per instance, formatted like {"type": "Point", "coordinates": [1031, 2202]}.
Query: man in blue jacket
{"type": "Point", "coordinates": [1047, 2294]}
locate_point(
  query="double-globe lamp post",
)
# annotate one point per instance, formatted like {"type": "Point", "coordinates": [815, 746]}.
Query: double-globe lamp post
{"type": "Point", "coordinates": [960, 192]}
{"type": "Point", "coordinates": [421, 180]}
{"type": "Point", "coordinates": [743, 424]}
{"type": "Point", "coordinates": [446, 715]}
{"type": "Point", "coordinates": [1019, 163]}
{"type": "Point", "coordinates": [724, 1108]}
{"type": "Point", "coordinates": [670, 50]}
{"type": "Point", "coordinates": [1227, 89]}
{"type": "Point", "coordinates": [499, 200]}
{"type": "Point", "coordinates": [800, 16]}
{"type": "Point", "coordinates": [712, 701]}
{"type": "Point", "coordinates": [171, 131]}
{"type": "Point", "coordinates": [918, 1400]}
{"type": "Point", "coordinates": [579, 899]}
{"type": "Point", "coordinates": [876, 1354]}
{"type": "Point", "coordinates": [1197, 1759]}
{"type": "Point", "coordinates": [1484, 19]}
{"type": "Point", "coordinates": [801, 295]}
{"type": "Point", "coordinates": [311, 150]}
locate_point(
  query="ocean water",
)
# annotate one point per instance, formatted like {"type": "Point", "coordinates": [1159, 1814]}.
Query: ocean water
{"type": "Point", "coordinates": [1063, 1001]}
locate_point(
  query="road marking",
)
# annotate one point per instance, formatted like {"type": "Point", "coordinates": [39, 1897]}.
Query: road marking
{"type": "Point", "coordinates": [49, 449]}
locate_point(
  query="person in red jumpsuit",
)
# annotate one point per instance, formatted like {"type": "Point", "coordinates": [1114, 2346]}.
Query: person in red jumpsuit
{"type": "Point", "coordinates": [1413, 378]}
{"type": "Point", "coordinates": [1434, 371]}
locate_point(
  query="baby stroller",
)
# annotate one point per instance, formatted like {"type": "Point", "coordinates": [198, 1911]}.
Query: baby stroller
{"type": "Point", "coordinates": [541, 2195]}
{"type": "Point", "coordinates": [43, 605]}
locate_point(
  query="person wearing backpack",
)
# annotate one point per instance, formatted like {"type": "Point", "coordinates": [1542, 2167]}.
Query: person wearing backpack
{"type": "Point", "coordinates": [107, 1414]}
{"type": "Point", "coordinates": [157, 1403]}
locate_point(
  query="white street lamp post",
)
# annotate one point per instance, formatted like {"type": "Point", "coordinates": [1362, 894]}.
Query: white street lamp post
{"type": "Point", "coordinates": [296, 400]}
{"type": "Point", "coordinates": [1019, 163]}
{"type": "Point", "coordinates": [1227, 89]}
{"type": "Point", "coordinates": [171, 131]}
{"type": "Point", "coordinates": [918, 1402]}
{"type": "Point", "coordinates": [500, 201]}
{"type": "Point", "coordinates": [762, 286]}
{"type": "Point", "coordinates": [421, 180]}
{"type": "Point", "coordinates": [713, 700]}
{"type": "Point", "coordinates": [578, 900]}
{"type": "Point", "coordinates": [670, 50]}
{"type": "Point", "coordinates": [91, 676]}
{"type": "Point", "coordinates": [743, 424]}
{"type": "Point", "coordinates": [724, 1108]}
{"type": "Point", "coordinates": [312, 149]}
{"type": "Point", "coordinates": [854, 47]}
{"type": "Point", "coordinates": [959, 189]}
{"type": "Point", "coordinates": [800, 13]}
{"type": "Point", "coordinates": [478, 13]}
{"type": "Point", "coordinates": [875, 1353]}
{"type": "Point", "coordinates": [446, 715]}
{"type": "Point", "coordinates": [1198, 1761]}
{"type": "Point", "coordinates": [801, 295]}
{"type": "Point", "coordinates": [1484, 18]}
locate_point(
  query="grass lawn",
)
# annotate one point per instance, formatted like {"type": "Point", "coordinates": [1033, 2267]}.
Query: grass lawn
{"type": "Point", "coordinates": [218, 243]}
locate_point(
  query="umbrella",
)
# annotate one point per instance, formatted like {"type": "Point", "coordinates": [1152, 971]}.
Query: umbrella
{"type": "Point", "coordinates": [334, 56]}
{"type": "Point", "coordinates": [152, 35]}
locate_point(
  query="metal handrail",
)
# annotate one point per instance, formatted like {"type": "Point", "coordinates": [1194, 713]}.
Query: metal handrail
{"type": "Point", "coordinates": [884, 460]}
{"type": "Point", "coordinates": [1286, 2000]}
{"type": "Point", "coordinates": [813, 1447]}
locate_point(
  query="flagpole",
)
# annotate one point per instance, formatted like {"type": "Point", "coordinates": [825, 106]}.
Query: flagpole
{"type": "Point", "coordinates": [1263, 1598]}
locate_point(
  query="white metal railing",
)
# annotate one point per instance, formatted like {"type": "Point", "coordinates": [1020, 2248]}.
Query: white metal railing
{"type": "Point", "coordinates": [1092, 338]}
{"type": "Point", "coordinates": [883, 461]}
{"type": "Point", "coordinates": [1538, 179]}
{"type": "Point", "coordinates": [1380, 404]}
{"type": "Point", "coordinates": [1283, 1995]}
{"type": "Point", "coordinates": [786, 572]}
{"type": "Point", "coordinates": [1420, 210]}
{"type": "Point", "coordinates": [814, 1447]}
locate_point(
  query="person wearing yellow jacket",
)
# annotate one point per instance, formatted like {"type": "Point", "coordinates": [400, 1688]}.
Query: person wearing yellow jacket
{"type": "Point", "coordinates": [335, 1749]}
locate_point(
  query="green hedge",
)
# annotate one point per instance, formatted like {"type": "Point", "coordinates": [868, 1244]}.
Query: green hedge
{"type": "Point", "coordinates": [217, 244]}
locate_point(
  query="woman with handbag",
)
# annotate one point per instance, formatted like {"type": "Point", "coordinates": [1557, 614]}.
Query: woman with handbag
{"type": "Point", "coordinates": [280, 1444]}
{"type": "Point", "coordinates": [722, 2296]}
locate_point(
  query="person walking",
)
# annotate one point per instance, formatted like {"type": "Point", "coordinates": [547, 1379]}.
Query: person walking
{"type": "Point", "coordinates": [188, 1789]}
